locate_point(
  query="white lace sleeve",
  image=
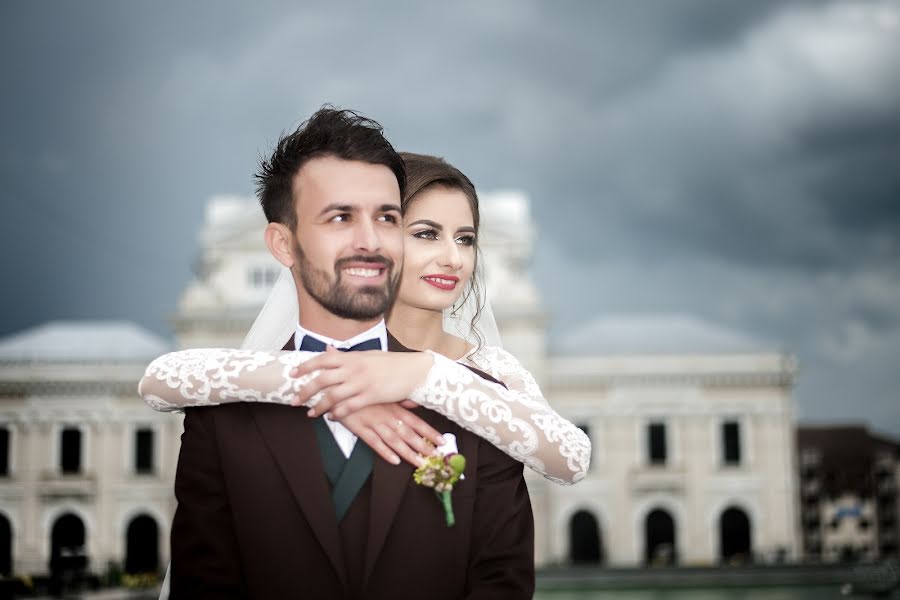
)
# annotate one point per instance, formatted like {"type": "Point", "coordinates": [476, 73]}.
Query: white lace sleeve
{"type": "Point", "coordinates": [517, 420]}
{"type": "Point", "coordinates": [211, 376]}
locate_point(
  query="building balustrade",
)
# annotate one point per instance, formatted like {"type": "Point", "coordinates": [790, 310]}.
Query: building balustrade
{"type": "Point", "coordinates": [657, 479]}
{"type": "Point", "coordinates": [52, 484]}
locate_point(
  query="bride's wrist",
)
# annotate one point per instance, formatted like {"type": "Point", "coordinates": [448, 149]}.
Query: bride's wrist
{"type": "Point", "coordinates": [422, 367]}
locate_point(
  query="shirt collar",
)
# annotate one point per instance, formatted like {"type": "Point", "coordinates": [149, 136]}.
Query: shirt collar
{"type": "Point", "coordinates": [378, 331]}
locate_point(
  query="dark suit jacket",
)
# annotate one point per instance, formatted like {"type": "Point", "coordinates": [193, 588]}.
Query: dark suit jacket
{"type": "Point", "coordinates": [255, 518]}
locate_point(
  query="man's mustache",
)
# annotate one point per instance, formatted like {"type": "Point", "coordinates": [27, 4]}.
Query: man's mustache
{"type": "Point", "coordinates": [375, 259]}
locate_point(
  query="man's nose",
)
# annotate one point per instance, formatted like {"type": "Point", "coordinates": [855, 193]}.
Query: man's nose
{"type": "Point", "coordinates": [366, 237]}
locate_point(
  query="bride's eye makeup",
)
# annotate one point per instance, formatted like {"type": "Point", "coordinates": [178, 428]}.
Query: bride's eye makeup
{"type": "Point", "coordinates": [426, 234]}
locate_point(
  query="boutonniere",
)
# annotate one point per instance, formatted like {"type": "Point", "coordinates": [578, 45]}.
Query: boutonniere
{"type": "Point", "coordinates": [440, 471]}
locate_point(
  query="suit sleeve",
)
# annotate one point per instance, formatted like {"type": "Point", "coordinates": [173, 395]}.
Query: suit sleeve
{"type": "Point", "coordinates": [205, 558]}
{"type": "Point", "coordinates": [502, 559]}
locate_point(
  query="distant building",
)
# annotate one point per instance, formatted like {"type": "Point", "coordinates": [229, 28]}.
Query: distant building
{"type": "Point", "coordinates": [692, 424]}
{"type": "Point", "coordinates": [848, 493]}
{"type": "Point", "coordinates": [86, 470]}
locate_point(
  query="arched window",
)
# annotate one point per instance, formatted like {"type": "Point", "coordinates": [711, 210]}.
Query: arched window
{"type": "Point", "coordinates": [659, 538]}
{"type": "Point", "coordinates": [734, 536]}
{"type": "Point", "coordinates": [68, 550]}
{"type": "Point", "coordinates": [585, 545]}
{"type": "Point", "coordinates": [142, 545]}
{"type": "Point", "coordinates": [5, 546]}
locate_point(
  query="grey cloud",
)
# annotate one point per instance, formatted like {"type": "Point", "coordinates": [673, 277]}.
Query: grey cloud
{"type": "Point", "coordinates": [731, 160]}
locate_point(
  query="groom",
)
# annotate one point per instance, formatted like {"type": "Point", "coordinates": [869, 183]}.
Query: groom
{"type": "Point", "coordinates": [275, 505]}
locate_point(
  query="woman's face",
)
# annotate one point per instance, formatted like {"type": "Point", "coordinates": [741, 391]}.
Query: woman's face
{"type": "Point", "coordinates": [438, 248]}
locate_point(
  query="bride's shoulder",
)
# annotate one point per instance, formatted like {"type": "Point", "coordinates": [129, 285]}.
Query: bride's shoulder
{"type": "Point", "coordinates": [489, 356]}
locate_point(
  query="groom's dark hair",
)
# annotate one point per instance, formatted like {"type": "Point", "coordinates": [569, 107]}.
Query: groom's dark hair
{"type": "Point", "coordinates": [330, 131]}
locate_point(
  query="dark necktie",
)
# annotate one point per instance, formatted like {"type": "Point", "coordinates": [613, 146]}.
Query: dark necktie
{"type": "Point", "coordinates": [346, 475]}
{"type": "Point", "coordinates": [311, 344]}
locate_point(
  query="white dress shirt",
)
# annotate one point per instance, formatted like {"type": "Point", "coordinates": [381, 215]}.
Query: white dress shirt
{"type": "Point", "coordinates": [345, 438]}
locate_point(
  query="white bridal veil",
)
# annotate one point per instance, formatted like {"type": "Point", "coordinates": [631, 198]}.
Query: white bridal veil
{"type": "Point", "coordinates": [279, 316]}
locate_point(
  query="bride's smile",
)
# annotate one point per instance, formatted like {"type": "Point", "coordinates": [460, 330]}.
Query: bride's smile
{"type": "Point", "coordinates": [439, 248]}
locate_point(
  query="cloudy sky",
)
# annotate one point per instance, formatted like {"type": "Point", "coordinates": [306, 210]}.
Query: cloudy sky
{"type": "Point", "coordinates": [735, 161]}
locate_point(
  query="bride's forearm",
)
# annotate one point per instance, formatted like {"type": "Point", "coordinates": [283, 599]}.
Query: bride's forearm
{"type": "Point", "coordinates": [212, 376]}
{"type": "Point", "coordinates": [516, 422]}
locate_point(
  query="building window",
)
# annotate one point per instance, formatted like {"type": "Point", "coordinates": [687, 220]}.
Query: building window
{"type": "Point", "coordinates": [4, 451]}
{"type": "Point", "coordinates": [143, 451]}
{"type": "Point", "coordinates": [70, 450]}
{"type": "Point", "coordinates": [262, 277]}
{"type": "Point", "coordinates": [731, 443]}
{"type": "Point", "coordinates": [656, 437]}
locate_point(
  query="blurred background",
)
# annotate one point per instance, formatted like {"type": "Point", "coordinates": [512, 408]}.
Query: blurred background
{"type": "Point", "coordinates": [707, 189]}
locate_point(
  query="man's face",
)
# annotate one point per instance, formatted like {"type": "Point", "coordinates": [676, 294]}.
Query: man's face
{"type": "Point", "coordinates": [348, 240]}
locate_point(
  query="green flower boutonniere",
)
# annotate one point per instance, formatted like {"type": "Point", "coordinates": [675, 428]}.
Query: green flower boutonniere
{"type": "Point", "coordinates": [440, 471]}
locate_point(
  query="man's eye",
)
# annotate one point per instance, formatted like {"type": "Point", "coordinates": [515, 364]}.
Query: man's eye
{"type": "Point", "coordinates": [426, 234]}
{"type": "Point", "coordinates": [389, 218]}
{"type": "Point", "coordinates": [466, 240]}
{"type": "Point", "coordinates": [340, 218]}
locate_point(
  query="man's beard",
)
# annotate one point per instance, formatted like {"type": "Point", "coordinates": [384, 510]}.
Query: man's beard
{"type": "Point", "coordinates": [359, 304]}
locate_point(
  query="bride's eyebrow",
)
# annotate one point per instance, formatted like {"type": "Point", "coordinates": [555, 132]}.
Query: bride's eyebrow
{"type": "Point", "coordinates": [437, 226]}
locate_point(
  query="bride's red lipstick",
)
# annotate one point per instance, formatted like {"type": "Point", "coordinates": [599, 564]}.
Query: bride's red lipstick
{"type": "Point", "coordinates": [442, 282]}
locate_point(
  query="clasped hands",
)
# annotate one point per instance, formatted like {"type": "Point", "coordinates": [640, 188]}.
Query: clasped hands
{"type": "Point", "coordinates": [367, 392]}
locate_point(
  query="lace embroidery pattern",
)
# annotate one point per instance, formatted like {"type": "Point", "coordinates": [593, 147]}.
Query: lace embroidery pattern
{"type": "Point", "coordinates": [212, 376]}
{"type": "Point", "coordinates": [518, 420]}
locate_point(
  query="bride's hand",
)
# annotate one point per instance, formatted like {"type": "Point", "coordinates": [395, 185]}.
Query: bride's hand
{"type": "Point", "coordinates": [353, 380]}
{"type": "Point", "coordinates": [391, 430]}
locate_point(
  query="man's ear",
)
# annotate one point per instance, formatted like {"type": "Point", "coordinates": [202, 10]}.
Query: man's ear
{"type": "Point", "coordinates": [280, 241]}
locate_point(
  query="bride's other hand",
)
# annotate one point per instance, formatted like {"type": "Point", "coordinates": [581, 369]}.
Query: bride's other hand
{"type": "Point", "coordinates": [393, 432]}
{"type": "Point", "coordinates": [353, 380]}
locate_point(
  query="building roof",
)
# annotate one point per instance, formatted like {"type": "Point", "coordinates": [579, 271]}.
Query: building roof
{"type": "Point", "coordinates": [657, 334]}
{"type": "Point", "coordinates": [847, 453]}
{"type": "Point", "coordinates": [88, 341]}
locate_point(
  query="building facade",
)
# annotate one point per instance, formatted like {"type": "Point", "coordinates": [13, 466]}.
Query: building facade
{"type": "Point", "coordinates": [692, 425]}
{"type": "Point", "coordinates": [86, 471]}
{"type": "Point", "coordinates": [849, 498]}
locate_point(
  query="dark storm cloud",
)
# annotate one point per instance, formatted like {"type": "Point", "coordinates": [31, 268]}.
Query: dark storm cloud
{"type": "Point", "coordinates": [734, 160]}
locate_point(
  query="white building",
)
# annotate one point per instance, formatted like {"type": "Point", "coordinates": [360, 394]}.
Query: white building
{"type": "Point", "coordinates": [86, 471]}
{"type": "Point", "coordinates": [692, 425]}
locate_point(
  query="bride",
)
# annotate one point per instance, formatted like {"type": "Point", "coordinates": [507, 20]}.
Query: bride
{"type": "Point", "coordinates": [440, 309]}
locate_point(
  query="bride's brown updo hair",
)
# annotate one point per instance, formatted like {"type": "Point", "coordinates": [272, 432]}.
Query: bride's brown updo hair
{"type": "Point", "coordinates": [425, 172]}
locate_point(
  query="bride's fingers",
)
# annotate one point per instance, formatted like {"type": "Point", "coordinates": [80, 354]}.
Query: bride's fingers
{"type": "Point", "coordinates": [333, 398]}
{"type": "Point", "coordinates": [324, 360]}
{"type": "Point", "coordinates": [352, 405]}
{"type": "Point", "coordinates": [324, 380]}
{"type": "Point", "coordinates": [420, 429]}
{"type": "Point", "coordinates": [372, 439]}
{"type": "Point", "coordinates": [398, 444]}
{"type": "Point", "coordinates": [412, 438]}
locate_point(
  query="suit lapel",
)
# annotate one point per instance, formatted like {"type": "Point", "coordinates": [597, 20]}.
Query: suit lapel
{"type": "Point", "coordinates": [292, 440]}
